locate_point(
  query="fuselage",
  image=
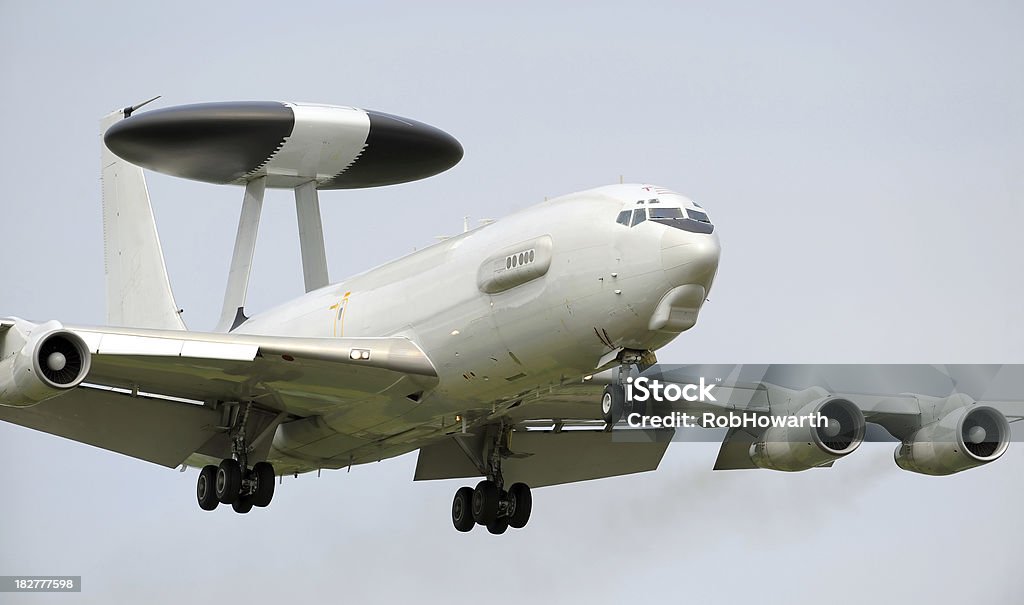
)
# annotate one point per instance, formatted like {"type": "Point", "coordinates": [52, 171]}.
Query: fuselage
{"type": "Point", "coordinates": [533, 300]}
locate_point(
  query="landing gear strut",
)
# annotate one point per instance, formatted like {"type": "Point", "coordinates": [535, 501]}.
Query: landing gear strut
{"type": "Point", "coordinates": [233, 481]}
{"type": "Point", "coordinates": [489, 504]}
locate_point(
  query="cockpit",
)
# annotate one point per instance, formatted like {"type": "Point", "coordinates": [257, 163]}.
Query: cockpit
{"type": "Point", "coordinates": [688, 216]}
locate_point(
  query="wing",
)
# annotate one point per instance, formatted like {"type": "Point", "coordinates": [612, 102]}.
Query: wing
{"type": "Point", "coordinates": [558, 436]}
{"type": "Point", "coordinates": [897, 400]}
{"type": "Point", "coordinates": [151, 394]}
{"type": "Point", "coordinates": [301, 376]}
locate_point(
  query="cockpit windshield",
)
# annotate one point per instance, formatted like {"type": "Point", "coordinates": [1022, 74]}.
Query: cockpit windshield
{"type": "Point", "coordinates": [657, 213]}
{"type": "Point", "coordinates": [697, 215]}
{"type": "Point", "coordinates": [692, 219]}
{"type": "Point", "coordinates": [689, 219]}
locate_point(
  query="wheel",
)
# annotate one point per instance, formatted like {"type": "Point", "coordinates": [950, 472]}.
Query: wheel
{"type": "Point", "coordinates": [242, 505]}
{"type": "Point", "coordinates": [521, 501]}
{"type": "Point", "coordinates": [498, 526]}
{"type": "Point", "coordinates": [206, 491]}
{"type": "Point", "coordinates": [263, 473]}
{"type": "Point", "coordinates": [635, 407]}
{"type": "Point", "coordinates": [229, 481]}
{"type": "Point", "coordinates": [485, 502]}
{"type": "Point", "coordinates": [612, 403]}
{"type": "Point", "coordinates": [462, 509]}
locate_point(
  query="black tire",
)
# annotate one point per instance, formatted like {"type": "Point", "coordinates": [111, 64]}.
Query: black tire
{"type": "Point", "coordinates": [612, 401]}
{"type": "Point", "coordinates": [242, 505]}
{"type": "Point", "coordinates": [485, 502]}
{"type": "Point", "coordinates": [520, 495]}
{"type": "Point", "coordinates": [263, 473]}
{"type": "Point", "coordinates": [206, 491]}
{"type": "Point", "coordinates": [636, 407]}
{"type": "Point", "coordinates": [462, 509]}
{"type": "Point", "coordinates": [498, 526]}
{"type": "Point", "coordinates": [229, 481]}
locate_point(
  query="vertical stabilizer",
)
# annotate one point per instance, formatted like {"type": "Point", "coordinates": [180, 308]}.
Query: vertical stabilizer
{"type": "Point", "coordinates": [138, 291]}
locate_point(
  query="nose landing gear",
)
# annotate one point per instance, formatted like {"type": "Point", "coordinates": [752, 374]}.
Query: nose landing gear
{"type": "Point", "coordinates": [613, 401]}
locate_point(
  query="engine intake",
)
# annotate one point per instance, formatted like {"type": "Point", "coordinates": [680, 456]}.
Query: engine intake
{"type": "Point", "coordinates": [965, 438]}
{"type": "Point", "coordinates": [785, 448]}
{"type": "Point", "coordinates": [61, 358]}
{"type": "Point", "coordinates": [50, 362]}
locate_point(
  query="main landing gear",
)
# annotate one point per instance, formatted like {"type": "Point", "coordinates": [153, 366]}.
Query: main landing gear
{"type": "Point", "coordinates": [229, 484]}
{"type": "Point", "coordinates": [489, 504]}
{"type": "Point", "coordinates": [233, 481]}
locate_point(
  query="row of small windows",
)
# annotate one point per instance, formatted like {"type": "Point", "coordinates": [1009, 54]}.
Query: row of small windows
{"type": "Point", "coordinates": [519, 259]}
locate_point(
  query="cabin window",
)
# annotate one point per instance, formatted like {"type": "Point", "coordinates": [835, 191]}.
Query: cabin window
{"type": "Point", "coordinates": [623, 218]}
{"type": "Point", "coordinates": [639, 216]}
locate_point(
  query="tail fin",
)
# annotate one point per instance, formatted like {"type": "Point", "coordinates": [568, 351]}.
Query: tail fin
{"type": "Point", "coordinates": [138, 291]}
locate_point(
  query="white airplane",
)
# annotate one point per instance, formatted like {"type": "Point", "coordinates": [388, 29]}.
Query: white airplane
{"type": "Point", "coordinates": [481, 351]}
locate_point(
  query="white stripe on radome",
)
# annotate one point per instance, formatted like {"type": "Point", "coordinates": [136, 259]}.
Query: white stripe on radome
{"type": "Point", "coordinates": [325, 140]}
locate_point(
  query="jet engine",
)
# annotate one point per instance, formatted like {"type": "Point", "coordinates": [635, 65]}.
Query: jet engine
{"type": "Point", "coordinates": [967, 437]}
{"type": "Point", "coordinates": [798, 448]}
{"type": "Point", "coordinates": [50, 362]}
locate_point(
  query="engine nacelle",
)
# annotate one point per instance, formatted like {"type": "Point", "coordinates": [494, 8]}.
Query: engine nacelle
{"type": "Point", "coordinates": [51, 361]}
{"type": "Point", "coordinates": [784, 448]}
{"type": "Point", "coordinates": [964, 438]}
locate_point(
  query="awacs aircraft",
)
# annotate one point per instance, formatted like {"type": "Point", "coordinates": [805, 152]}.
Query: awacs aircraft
{"type": "Point", "coordinates": [472, 351]}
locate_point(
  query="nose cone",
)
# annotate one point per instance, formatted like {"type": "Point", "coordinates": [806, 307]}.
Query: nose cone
{"type": "Point", "coordinates": [690, 258]}
{"type": "Point", "coordinates": [398, 150]}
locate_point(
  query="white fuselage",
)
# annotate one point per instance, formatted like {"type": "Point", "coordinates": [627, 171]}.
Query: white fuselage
{"type": "Point", "coordinates": [495, 330]}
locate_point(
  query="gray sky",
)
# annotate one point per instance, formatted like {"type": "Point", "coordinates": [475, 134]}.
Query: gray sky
{"type": "Point", "coordinates": [862, 161]}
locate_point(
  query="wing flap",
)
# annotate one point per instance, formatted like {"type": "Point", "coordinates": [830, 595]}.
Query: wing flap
{"type": "Point", "coordinates": [571, 456]}
{"type": "Point", "coordinates": [159, 431]}
{"type": "Point", "coordinates": [544, 458]}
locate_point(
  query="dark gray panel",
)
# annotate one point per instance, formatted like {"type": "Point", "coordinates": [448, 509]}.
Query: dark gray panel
{"type": "Point", "coordinates": [398, 150]}
{"type": "Point", "coordinates": [211, 142]}
{"type": "Point", "coordinates": [444, 460]}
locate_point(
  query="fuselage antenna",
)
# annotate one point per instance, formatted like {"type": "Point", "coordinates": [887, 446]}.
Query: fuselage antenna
{"type": "Point", "coordinates": [128, 111]}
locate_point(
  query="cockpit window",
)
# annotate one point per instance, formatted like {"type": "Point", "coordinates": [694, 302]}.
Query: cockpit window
{"type": "Point", "coordinates": [623, 218]}
{"type": "Point", "coordinates": [690, 220]}
{"type": "Point", "coordinates": [697, 215]}
{"type": "Point", "coordinates": [639, 216]}
{"type": "Point", "coordinates": [666, 213]}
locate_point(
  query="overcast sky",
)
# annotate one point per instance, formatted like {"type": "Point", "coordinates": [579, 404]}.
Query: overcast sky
{"type": "Point", "coordinates": [862, 161]}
